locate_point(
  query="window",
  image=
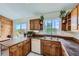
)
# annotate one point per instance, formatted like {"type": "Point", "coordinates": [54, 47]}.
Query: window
{"type": "Point", "coordinates": [47, 26]}
{"type": "Point", "coordinates": [21, 28]}
{"type": "Point", "coordinates": [51, 25]}
{"type": "Point", "coordinates": [56, 23]}
{"type": "Point", "coordinates": [17, 26]}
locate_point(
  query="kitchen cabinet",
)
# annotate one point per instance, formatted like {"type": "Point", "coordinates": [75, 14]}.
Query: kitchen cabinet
{"type": "Point", "coordinates": [45, 47]}
{"type": "Point", "coordinates": [66, 22]}
{"type": "Point", "coordinates": [74, 20]}
{"type": "Point", "coordinates": [31, 24]}
{"type": "Point", "coordinates": [51, 48]}
{"type": "Point", "coordinates": [20, 49]}
{"type": "Point", "coordinates": [78, 18]}
{"type": "Point", "coordinates": [6, 26]}
{"type": "Point", "coordinates": [56, 49]}
{"type": "Point", "coordinates": [36, 24]}
{"type": "Point", "coordinates": [71, 21]}
{"type": "Point", "coordinates": [27, 47]}
{"type": "Point", "coordinates": [13, 51]}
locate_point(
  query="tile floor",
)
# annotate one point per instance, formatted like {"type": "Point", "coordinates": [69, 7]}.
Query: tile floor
{"type": "Point", "coordinates": [33, 54]}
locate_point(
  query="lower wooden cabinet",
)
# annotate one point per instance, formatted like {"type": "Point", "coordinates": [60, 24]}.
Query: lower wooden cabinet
{"type": "Point", "coordinates": [20, 49]}
{"type": "Point", "coordinates": [51, 48]}
{"type": "Point", "coordinates": [45, 47]}
{"type": "Point", "coordinates": [48, 48]}
{"type": "Point", "coordinates": [56, 49]}
{"type": "Point", "coordinates": [27, 47]}
{"type": "Point", "coordinates": [13, 51]}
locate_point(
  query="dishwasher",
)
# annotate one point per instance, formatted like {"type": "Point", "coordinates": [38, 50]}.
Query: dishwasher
{"type": "Point", "coordinates": [35, 45]}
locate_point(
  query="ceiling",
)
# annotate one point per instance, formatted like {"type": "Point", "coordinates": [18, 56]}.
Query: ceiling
{"type": "Point", "coordinates": [19, 10]}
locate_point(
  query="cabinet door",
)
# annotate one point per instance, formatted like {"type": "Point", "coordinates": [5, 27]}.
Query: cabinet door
{"type": "Point", "coordinates": [46, 50]}
{"type": "Point", "coordinates": [20, 49]}
{"type": "Point", "coordinates": [7, 27]}
{"type": "Point", "coordinates": [13, 51]}
{"type": "Point", "coordinates": [31, 24]}
{"type": "Point", "coordinates": [37, 24]}
{"type": "Point", "coordinates": [74, 20]}
{"type": "Point", "coordinates": [26, 47]}
{"type": "Point", "coordinates": [56, 49]}
{"type": "Point", "coordinates": [29, 46]}
{"type": "Point", "coordinates": [45, 47]}
{"type": "Point", "coordinates": [78, 17]}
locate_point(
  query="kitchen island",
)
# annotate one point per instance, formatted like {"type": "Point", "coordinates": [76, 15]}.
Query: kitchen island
{"type": "Point", "coordinates": [16, 47]}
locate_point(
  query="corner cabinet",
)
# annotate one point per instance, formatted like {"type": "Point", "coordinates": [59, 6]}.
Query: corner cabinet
{"type": "Point", "coordinates": [51, 48]}
{"type": "Point", "coordinates": [36, 24]}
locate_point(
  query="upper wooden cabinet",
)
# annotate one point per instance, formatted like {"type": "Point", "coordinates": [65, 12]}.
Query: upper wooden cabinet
{"type": "Point", "coordinates": [78, 17]}
{"type": "Point", "coordinates": [66, 22]}
{"type": "Point", "coordinates": [71, 21]}
{"type": "Point", "coordinates": [6, 26]}
{"type": "Point", "coordinates": [74, 19]}
{"type": "Point", "coordinates": [31, 24]}
{"type": "Point", "coordinates": [36, 24]}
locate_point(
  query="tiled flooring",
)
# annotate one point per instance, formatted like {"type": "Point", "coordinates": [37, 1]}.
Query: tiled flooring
{"type": "Point", "coordinates": [30, 54]}
{"type": "Point", "coordinates": [33, 54]}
